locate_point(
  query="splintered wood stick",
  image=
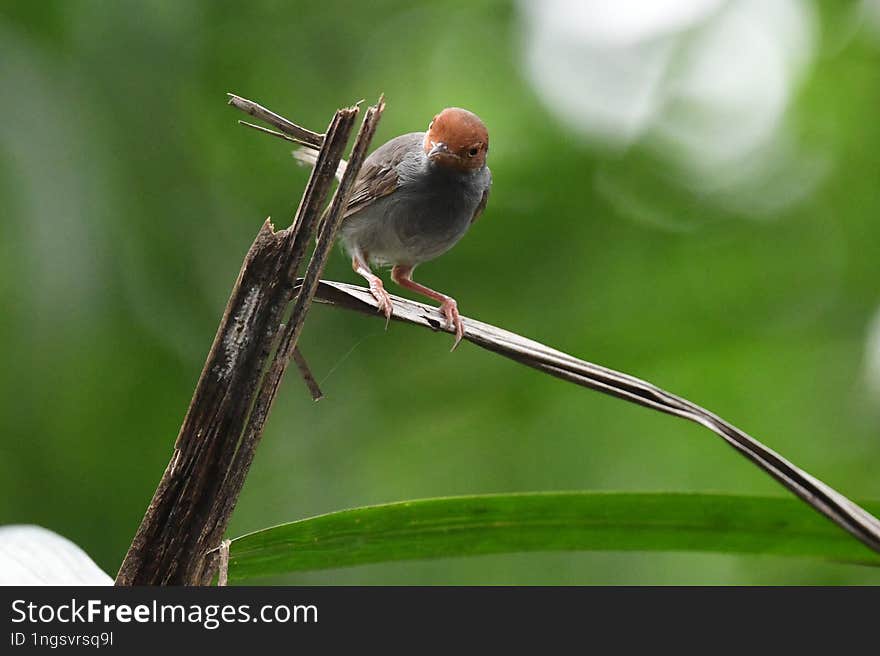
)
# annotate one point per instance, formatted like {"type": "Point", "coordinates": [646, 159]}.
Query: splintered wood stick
{"type": "Point", "coordinates": [291, 129]}
{"type": "Point", "coordinates": [178, 538]}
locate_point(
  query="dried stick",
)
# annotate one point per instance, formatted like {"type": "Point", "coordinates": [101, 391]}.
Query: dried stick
{"type": "Point", "coordinates": [274, 133]}
{"type": "Point", "coordinates": [814, 492]}
{"type": "Point", "coordinates": [290, 333]}
{"type": "Point", "coordinates": [190, 510]}
{"type": "Point", "coordinates": [306, 373]}
{"type": "Point", "coordinates": [223, 570]}
{"type": "Point", "coordinates": [299, 134]}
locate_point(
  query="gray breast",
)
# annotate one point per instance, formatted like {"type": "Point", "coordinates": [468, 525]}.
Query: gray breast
{"type": "Point", "coordinates": [434, 207]}
{"type": "Point", "coordinates": [428, 213]}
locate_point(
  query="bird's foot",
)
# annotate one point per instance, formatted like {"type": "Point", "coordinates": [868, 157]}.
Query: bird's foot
{"type": "Point", "coordinates": [383, 299]}
{"type": "Point", "coordinates": [449, 308]}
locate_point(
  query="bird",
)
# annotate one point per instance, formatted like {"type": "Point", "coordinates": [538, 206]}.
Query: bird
{"type": "Point", "coordinates": [414, 198]}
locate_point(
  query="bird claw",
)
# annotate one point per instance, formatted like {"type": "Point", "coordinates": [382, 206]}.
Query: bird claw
{"type": "Point", "coordinates": [453, 320]}
{"type": "Point", "coordinates": [383, 300]}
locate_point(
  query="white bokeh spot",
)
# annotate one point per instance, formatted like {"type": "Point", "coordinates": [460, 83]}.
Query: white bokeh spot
{"type": "Point", "coordinates": [33, 555]}
{"type": "Point", "coordinates": [705, 84]}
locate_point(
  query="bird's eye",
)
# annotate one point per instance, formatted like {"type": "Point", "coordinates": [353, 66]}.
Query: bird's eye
{"type": "Point", "coordinates": [473, 151]}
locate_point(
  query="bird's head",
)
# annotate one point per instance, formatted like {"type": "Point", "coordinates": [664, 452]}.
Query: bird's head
{"type": "Point", "coordinates": [457, 139]}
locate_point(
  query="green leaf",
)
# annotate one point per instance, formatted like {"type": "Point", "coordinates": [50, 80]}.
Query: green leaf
{"type": "Point", "coordinates": [566, 521]}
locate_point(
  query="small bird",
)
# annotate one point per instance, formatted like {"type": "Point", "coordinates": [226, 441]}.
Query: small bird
{"type": "Point", "coordinates": [414, 198]}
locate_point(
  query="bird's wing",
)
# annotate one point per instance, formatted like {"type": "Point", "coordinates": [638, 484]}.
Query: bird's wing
{"type": "Point", "coordinates": [484, 200]}
{"type": "Point", "coordinates": [375, 180]}
{"type": "Point", "coordinates": [378, 176]}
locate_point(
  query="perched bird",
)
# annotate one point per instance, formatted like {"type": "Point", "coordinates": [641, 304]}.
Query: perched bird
{"type": "Point", "coordinates": [414, 198]}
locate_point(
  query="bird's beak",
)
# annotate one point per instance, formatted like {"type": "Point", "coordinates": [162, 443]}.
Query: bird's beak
{"type": "Point", "coordinates": [437, 148]}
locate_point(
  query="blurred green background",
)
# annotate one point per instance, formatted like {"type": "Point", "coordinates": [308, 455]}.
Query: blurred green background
{"type": "Point", "coordinates": [130, 196]}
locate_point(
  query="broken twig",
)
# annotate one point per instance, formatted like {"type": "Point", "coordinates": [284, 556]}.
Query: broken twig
{"type": "Point", "coordinates": [190, 510]}
{"type": "Point", "coordinates": [223, 569]}
{"type": "Point", "coordinates": [306, 373]}
{"type": "Point", "coordinates": [289, 128]}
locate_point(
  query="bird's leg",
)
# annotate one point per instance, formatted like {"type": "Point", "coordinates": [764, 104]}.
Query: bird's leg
{"type": "Point", "coordinates": [402, 275]}
{"type": "Point", "coordinates": [377, 289]}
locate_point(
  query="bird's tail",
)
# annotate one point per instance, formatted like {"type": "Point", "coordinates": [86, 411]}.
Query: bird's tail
{"type": "Point", "coordinates": [309, 156]}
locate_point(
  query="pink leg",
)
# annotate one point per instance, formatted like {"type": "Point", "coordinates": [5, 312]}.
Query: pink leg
{"type": "Point", "coordinates": [377, 289]}
{"type": "Point", "coordinates": [402, 275]}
